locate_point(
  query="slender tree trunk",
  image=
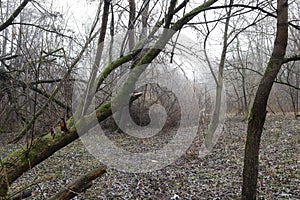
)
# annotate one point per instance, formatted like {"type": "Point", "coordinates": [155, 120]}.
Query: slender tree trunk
{"type": "Point", "coordinates": [91, 86]}
{"type": "Point", "coordinates": [258, 112]}
{"type": "Point", "coordinates": [131, 24]}
{"type": "Point", "coordinates": [210, 137]}
{"type": "Point", "coordinates": [145, 17]}
{"type": "Point", "coordinates": [297, 92]}
{"type": "Point", "coordinates": [245, 107]}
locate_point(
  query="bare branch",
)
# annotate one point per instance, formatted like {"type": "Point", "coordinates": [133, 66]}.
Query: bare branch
{"type": "Point", "coordinates": [292, 58]}
{"type": "Point", "coordinates": [13, 15]}
{"type": "Point", "coordinates": [42, 28]}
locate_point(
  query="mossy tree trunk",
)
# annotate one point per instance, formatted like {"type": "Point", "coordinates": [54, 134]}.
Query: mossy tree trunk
{"type": "Point", "coordinates": [21, 160]}
{"type": "Point", "coordinates": [258, 112]}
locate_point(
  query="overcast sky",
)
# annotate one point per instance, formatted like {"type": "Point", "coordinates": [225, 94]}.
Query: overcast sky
{"type": "Point", "coordinates": [77, 12]}
{"type": "Point", "coordinates": [80, 15]}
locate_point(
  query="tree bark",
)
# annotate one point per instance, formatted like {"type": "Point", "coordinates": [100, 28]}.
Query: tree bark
{"type": "Point", "coordinates": [145, 17]}
{"type": "Point", "coordinates": [258, 112]}
{"type": "Point", "coordinates": [131, 23]}
{"type": "Point", "coordinates": [80, 185]}
{"type": "Point", "coordinates": [13, 15]}
{"type": "Point", "coordinates": [25, 194]}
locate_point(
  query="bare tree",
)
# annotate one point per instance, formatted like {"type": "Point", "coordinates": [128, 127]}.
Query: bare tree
{"type": "Point", "coordinates": [210, 137]}
{"type": "Point", "coordinates": [39, 61]}
{"type": "Point", "coordinates": [258, 112]}
{"type": "Point", "coordinates": [41, 148]}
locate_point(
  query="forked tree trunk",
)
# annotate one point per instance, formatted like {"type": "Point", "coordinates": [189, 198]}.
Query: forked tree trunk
{"type": "Point", "coordinates": [211, 136]}
{"type": "Point", "coordinates": [258, 112]}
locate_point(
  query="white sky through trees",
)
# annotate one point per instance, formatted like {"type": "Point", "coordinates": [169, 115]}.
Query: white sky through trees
{"type": "Point", "coordinates": [79, 13]}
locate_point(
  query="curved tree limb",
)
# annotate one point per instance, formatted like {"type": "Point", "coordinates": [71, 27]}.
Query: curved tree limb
{"type": "Point", "coordinates": [43, 29]}
{"type": "Point", "coordinates": [13, 15]}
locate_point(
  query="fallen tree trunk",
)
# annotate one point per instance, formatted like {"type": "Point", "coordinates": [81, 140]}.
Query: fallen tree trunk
{"type": "Point", "coordinates": [25, 194]}
{"type": "Point", "coordinates": [79, 185]}
{"type": "Point", "coordinates": [21, 160]}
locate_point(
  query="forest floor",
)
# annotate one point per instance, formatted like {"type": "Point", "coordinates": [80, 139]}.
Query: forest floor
{"type": "Point", "coordinates": [216, 176]}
